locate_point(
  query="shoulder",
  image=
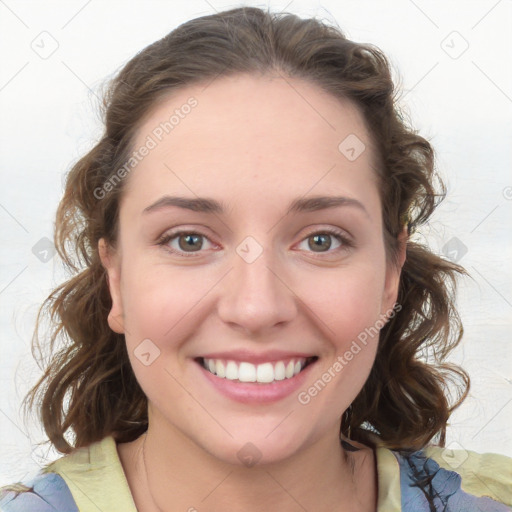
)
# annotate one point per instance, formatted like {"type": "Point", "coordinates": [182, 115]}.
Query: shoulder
{"type": "Point", "coordinates": [45, 492]}
{"type": "Point", "coordinates": [455, 480]}
{"type": "Point", "coordinates": [95, 478]}
{"type": "Point", "coordinates": [89, 479]}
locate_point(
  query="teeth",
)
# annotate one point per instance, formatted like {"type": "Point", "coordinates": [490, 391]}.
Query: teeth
{"type": "Point", "coordinates": [289, 370]}
{"type": "Point", "coordinates": [279, 371]}
{"type": "Point", "coordinates": [231, 371]}
{"type": "Point", "coordinates": [248, 372]}
{"type": "Point", "coordinates": [220, 370]}
{"type": "Point", "coordinates": [265, 373]}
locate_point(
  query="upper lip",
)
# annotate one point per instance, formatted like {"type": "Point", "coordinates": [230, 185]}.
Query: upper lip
{"type": "Point", "coordinates": [256, 358]}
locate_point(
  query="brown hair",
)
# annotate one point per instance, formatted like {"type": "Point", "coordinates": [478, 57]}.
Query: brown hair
{"type": "Point", "coordinates": [404, 402]}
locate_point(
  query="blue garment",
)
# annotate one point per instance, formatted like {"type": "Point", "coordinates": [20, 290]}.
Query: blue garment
{"type": "Point", "coordinates": [44, 493]}
{"type": "Point", "coordinates": [421, 476]}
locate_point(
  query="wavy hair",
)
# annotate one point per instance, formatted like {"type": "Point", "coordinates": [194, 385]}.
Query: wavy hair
{"type": "Point", "coordinates": [88, 385]}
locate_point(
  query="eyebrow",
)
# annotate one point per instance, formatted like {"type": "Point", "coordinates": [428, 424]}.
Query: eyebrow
{"type": "Point", "coordinates": [207, 205]}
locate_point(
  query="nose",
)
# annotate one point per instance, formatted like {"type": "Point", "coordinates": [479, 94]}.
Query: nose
{"type": "Point", "coordinates": [256, 296]}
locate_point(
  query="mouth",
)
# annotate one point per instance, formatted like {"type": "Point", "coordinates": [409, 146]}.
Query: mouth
{"type": "Point", "coordinates": [263, 373]}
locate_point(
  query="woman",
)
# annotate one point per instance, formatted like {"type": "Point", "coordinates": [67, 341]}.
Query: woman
{"type": "Point", "coordinates": [246, 332]}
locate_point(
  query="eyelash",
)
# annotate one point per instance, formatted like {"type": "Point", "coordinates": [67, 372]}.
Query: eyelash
{"type": "Point", "coordinates": [346, 243]}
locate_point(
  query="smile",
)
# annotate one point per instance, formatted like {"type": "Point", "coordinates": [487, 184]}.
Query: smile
{"type": "Point", "coordinates": [265, 373]}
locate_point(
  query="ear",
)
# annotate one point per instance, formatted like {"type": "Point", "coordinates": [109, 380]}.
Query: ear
{"type": "Point", "coordinates": [393, 272]}
{"type": "Point", "coordinates": [112, 264]}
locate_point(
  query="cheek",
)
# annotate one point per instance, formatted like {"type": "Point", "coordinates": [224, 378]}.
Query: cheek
{"type": "Point", "coordinates": [351, 308]}
{"type": "Point", "coordinates": [160, 314]}
{"type": "Point", "coordinates": [350, 313]}
{"type": "Point", "coordinates": [164, 306]}
{"type": "Point", "coordinates": [349, 301]}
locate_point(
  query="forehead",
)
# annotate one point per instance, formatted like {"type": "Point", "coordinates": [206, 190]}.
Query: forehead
{"type": "Point", "coordinates": [257, 134]}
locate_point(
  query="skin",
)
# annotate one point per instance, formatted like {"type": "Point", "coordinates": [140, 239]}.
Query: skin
{"type": "Point", "coordinates": [255, 144]}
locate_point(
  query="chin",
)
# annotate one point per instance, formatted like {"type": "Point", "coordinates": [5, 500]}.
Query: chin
{"type": "Point", "coordinates": [255, 447]}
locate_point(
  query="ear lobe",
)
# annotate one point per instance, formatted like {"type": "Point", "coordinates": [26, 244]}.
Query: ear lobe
{"type": "Point", "coordinates": [111, 263]}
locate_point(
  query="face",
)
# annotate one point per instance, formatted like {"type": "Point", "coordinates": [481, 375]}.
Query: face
{"type": "Point", "coordinates": [251, 287]}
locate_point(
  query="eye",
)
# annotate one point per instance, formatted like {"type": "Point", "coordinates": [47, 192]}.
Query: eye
{"type": "Point", "coordinates": [187, 242]}
{"type": "Point", "coordinates": [320, 240]}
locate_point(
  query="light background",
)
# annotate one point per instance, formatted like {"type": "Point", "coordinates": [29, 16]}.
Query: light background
{"type": "Point", "coordinates": [459, 98]}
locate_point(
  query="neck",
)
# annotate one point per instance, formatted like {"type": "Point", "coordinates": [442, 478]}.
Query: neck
{"type": "Point", "coordinates": [174, 474]}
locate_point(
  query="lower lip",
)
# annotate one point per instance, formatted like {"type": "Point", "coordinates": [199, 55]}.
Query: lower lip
{"type": "Point", "coordinates": [256, 392]}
